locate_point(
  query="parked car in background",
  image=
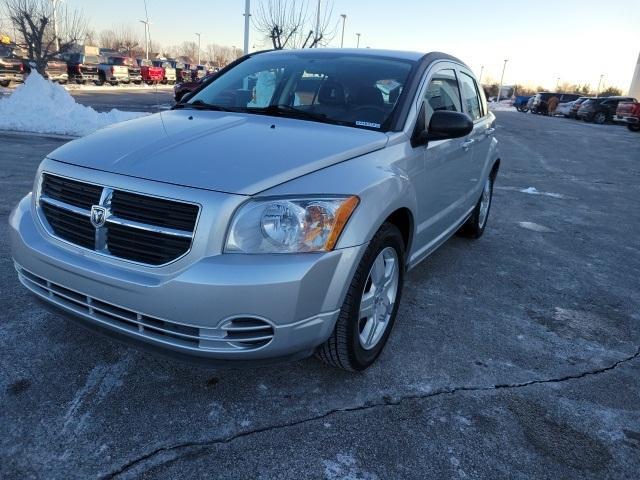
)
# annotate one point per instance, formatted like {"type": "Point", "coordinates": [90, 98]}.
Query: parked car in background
{"type": "Point", "coordinates": [575, 106]}
{"type": "Point", "coordinates": [522, 103]}
{"type": "Point", "coordinates": [83, 68]}
{"type": "Point", "coordinates": [182, 88]}
{"type": "Point", "coordinates": [564, 109]}
{"type": "Point", "coordinates": [11, 65]}
{"type": "Point", "coordinates": [150, 74]}
{"type": "Point", "coordinates": [200, 71]}
{"type": "Point", "coordinates": [169, 75]}
{"type": "Point", "coordinates": [299, 243]}
{"type": "Point", "coordinates": [540, 100]}
{"type": "Point", "coordinates": [602, 109]}
{"type": "Point", "coordinates": [112, 73]}
{"type": "Point", "coordinates": [183, 72]}
{"type": "Point", "coordinates": [132, 67]}
{"type": "Point", "coordinates": [629, 113]}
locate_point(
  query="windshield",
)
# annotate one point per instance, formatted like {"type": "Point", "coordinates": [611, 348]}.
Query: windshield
{"type": "Point", "coordinates": [353, 90]}
{"type": "Point", "coordinates": [127, 62]}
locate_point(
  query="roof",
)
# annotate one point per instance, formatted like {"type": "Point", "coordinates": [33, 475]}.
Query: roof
{"type": "Point", "coordinates": [400, 55]}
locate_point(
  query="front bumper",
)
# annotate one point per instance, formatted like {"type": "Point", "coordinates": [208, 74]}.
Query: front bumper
{"type": "Point", "coordinates": [627, 119]}
{"type": "Point", "coordinates": [198, 311]}
{"type": "Point", "coordinates": [11, 77]}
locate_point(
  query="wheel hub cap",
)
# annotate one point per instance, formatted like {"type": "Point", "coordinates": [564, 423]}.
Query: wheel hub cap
{"type": "Point", "coordinates": [378, 298]}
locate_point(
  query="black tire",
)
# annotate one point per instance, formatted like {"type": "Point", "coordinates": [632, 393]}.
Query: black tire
{"type": "Point", "coordinates": [5, 83]}
{"type": "Point", "coordinates": [600, 118]}
{"type": "Point", "coordinates": [180, 96]}
{"type": "Point", "coordinates": [343, 349]}
{"type": "Point", "coordinates": [634, 127]}
{"type": "Point", "coordinates": [473, 227]}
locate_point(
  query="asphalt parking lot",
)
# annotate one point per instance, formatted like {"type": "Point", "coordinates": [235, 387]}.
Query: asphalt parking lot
{"type": "Point", "coordinates": [515, 356]}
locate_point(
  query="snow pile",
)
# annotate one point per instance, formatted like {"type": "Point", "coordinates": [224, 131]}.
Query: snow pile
{"type": "Point", "coordinates": [502, 106]}
{"type": "Point", "coordinates": [44, 107]}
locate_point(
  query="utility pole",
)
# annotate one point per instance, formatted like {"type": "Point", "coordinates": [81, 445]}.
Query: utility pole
{"type": "Point", "coordinates": [481, 72]}
{"type": "Point", "coordinates": [557, 84]}
{"type": "Point", "coordinates": [344, 20]}
{"type": "Point", "coordinates": [247, 16]}
{"type": "Point", "coordinates": [317, 40]}
{"type": "Point", "coordinates": [599, 85]}
{"type": "Point", "coordinates": [198, 47]}
{"type": "Point", "coordinates": [502, 79]}
{"type": "Point", "coordinates": [358, 44]}
{"type": "Point", "coordinates": [55, 25]}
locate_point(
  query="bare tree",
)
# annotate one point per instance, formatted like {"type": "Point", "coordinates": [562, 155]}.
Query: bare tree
{"type": "Point", "coordinates": [126, 39]}
{"type": "Point", "coordinates": [292, 24]}
{"type": "Point", "coordinates": [33, 19]}
{"type": "Point", "coordinates": [190, 50]}
{"type": "Point", "coordinates": [107, 39]}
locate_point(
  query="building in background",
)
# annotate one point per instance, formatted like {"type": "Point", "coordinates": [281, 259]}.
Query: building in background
{"type": "Point", "coordinates": [634, 89]}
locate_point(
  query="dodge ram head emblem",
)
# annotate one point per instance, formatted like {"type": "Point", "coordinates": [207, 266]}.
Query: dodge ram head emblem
{"type": "Point", "coordinates": [98, 216]}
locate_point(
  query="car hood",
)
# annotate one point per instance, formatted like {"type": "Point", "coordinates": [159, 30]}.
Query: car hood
{"type": "Point", "coordinates": [226, 152]}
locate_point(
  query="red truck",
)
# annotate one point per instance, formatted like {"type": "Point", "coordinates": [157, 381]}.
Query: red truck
{"type": "Point", "coordinates": [150, 74]}
{"type": "Point", "coordinates": [629, 113]}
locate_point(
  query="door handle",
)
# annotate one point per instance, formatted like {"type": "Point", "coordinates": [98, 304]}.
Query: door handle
{"type": "Point", "coordinates": [490, 131]}
{"type": "Point", "coordinates": [467, 144]}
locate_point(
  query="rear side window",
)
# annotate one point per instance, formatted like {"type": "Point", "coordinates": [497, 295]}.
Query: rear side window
{"type": "Point", "coordinates": [442, 94]}
{"type": "Point", "coordinates": [470, 96]}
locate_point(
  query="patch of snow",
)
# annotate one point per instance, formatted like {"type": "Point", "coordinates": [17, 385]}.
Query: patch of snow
{"type": "Point", "coordinates": [534, 191]}
{"type": "Point", "coordinates": [345, 467]}
{"type": "Point", "coordinates": [120, 86]}
{"type": "Point", "coordinates": [502, 106]}
{"type": "Point", "coordinates": [535, 227]}
{"type": "Point", "coordinates": [42, 106]}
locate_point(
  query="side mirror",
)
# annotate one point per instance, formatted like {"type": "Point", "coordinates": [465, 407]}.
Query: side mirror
{"type": "Point", "coordinates": [444, 124]}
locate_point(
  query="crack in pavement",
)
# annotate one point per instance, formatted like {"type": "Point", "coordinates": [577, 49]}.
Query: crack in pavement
{"type": "Point", "coordinates": [386, 401]}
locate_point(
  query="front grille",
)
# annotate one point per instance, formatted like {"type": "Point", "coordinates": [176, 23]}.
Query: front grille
{"type": "Point", "coordinates": [233, 335]}
{"type": "Point", "coordinates": [79, 194]}
{"type": "Point", "coordinates": [136, 227]}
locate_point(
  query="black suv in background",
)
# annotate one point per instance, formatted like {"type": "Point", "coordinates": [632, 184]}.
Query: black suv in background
{"type": "Point", "coordinates": [540, 101]}
{"type": "Point", "coordinates": [601, 109]}
{"type": "Point", "coordinates": [83, 68]}
{"type": "Point", "coordinates": [576, 106]}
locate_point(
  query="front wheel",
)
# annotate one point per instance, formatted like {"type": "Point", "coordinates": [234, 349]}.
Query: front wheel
{"type": "Point", "coordinates": [600, 118]}
{"type": "Point", "coordinates": [370, 306]}
{"type": "Point", "coordinates": [477, 222]}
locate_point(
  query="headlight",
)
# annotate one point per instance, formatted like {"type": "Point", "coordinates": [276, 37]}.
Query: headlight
{"type": "Point", "coordinates": [289, 225]}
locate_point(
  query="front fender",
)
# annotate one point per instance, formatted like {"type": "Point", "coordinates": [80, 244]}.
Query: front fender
{"type": "Point", "coordinates": [380, 179]}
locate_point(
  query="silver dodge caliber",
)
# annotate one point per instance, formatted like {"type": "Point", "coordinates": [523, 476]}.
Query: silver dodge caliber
{"type": "Point", "coordinates": [273, 213]}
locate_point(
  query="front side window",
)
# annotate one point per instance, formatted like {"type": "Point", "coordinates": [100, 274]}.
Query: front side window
{"type": "Point", "coordinates": [470, 96]}
{"type": "Point", "coordinates": [442, 94]}
{"type": "Point", "coordinates": [353, 90]}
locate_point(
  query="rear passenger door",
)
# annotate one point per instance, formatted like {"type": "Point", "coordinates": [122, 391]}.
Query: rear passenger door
{"type": "Point", "coordinates": [477, 157]}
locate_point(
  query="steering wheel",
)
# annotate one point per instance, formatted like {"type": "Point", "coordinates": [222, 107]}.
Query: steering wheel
{"type": "Point", "coordinates": [378, 112]}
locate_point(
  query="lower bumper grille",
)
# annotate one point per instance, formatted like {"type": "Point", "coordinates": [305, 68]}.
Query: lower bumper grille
{"type": "Point", "coordinates": [232, 335]}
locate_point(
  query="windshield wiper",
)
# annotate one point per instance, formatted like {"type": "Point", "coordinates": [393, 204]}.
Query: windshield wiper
{"type": "Point", "coordinates": [289, 111]}
{"type": "Point", "coordinates": [200, 105]}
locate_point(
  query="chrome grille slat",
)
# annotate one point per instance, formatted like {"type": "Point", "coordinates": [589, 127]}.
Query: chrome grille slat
{"type": "Point", "coordinates": [223, 339]}
{"type": "Point", "coordinates": [137, 227]}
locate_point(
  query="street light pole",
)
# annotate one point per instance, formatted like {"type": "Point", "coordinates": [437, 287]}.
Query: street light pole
{"type": "Point", "coordinates": [198, 47]}
{"type": "Point", "coordinates": [344, 20]}
{"type": "Point", "coordinates": [599, 85]}
{"type": "Point", "coordinates": [318, 25]}
{"type": "Point", "coordinates": [55, 25]}
{"type": "Point", "coordinates": [481, 72]}
{"type": "Point", "coordinates": [358, 44]}
{"type": "Point", "coordinates": [146, 41]}
{"type": "Point", "coordinates": [557, 84]}
{"type": "Point", "coordinates": [247, 16]}
{"type": "Point", "coordinates": [502, 79]}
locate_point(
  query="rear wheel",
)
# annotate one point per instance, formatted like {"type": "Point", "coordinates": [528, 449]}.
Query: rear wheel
{"type": "Point", "coordinates": [477, 222]}
{"type": "Point", "coordinates": [4, 83]}
{"type": "Point", "coordinates": [370, 306]}
{"type": "Point", "coordinates": [634, 127]}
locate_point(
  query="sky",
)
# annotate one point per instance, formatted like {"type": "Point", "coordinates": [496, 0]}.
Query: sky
{"type": "Point", "coordinates": [543, 40]}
